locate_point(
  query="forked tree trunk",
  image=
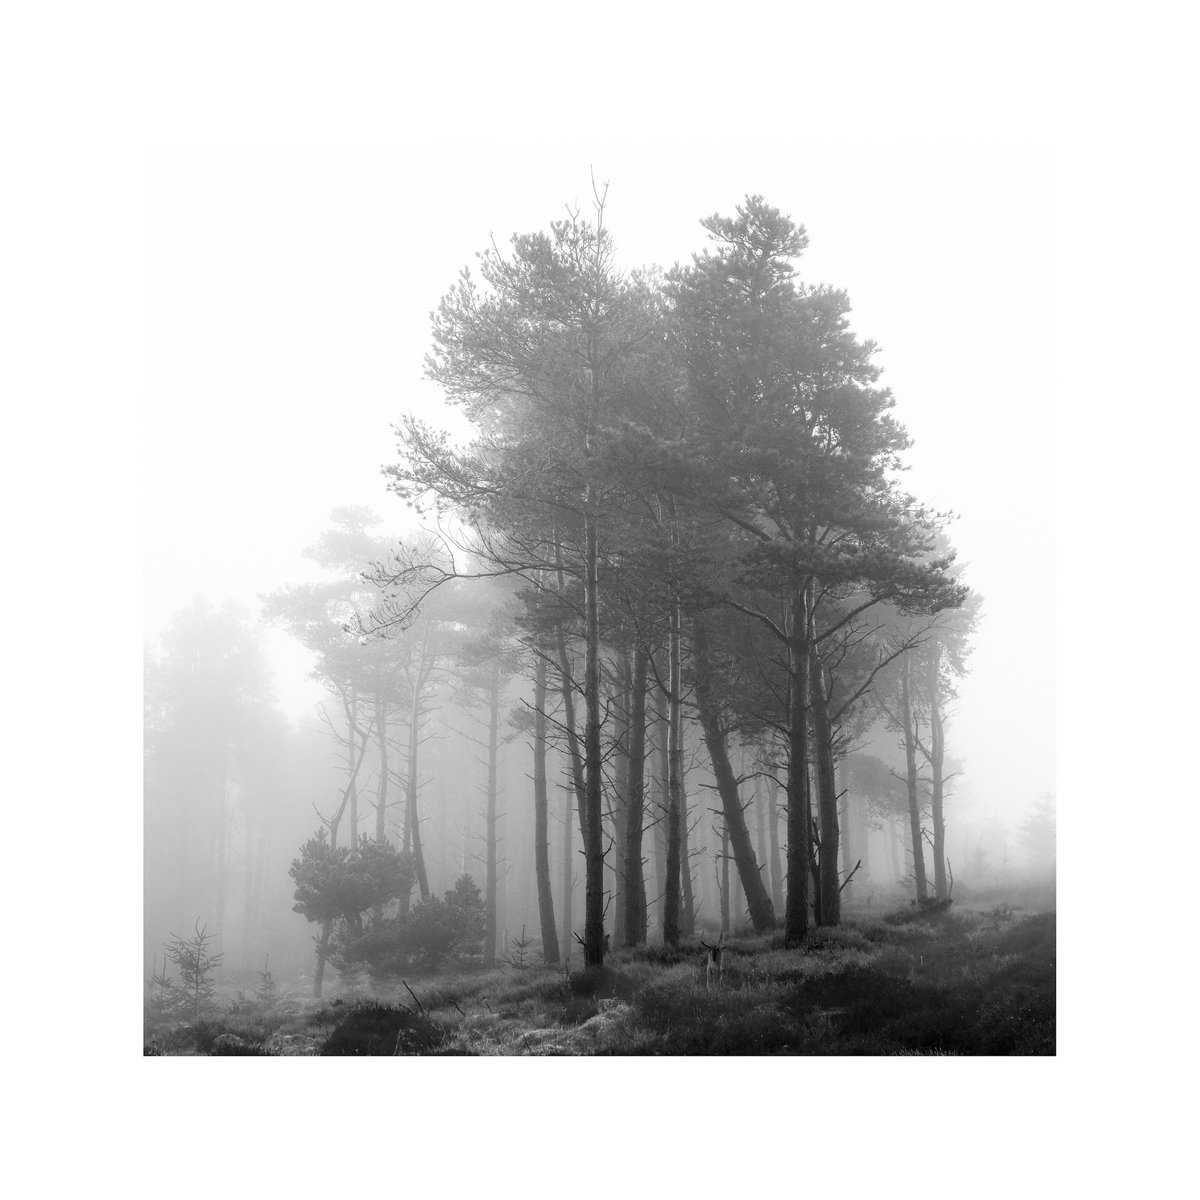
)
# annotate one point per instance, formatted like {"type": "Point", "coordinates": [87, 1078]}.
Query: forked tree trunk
{"type": "Point", "coordinates": [541, 817]}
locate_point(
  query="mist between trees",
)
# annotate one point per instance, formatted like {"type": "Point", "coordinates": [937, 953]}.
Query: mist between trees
{"type": "Point", "coordinates": [674, 652]}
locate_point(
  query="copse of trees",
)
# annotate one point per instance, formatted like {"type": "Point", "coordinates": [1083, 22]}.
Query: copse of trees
{"type": "Point", "coordinates": [658, 458]}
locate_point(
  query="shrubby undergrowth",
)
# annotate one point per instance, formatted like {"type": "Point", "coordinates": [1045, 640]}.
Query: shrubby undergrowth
{"type": "Point", "coordinates": [965, 983]}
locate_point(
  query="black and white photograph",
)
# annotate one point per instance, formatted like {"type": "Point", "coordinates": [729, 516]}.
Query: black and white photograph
{"type": "Point", "coordinates": [600, 540]}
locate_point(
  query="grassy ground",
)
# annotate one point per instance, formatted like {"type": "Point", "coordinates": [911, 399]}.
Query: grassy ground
{"type": "Point", "coordinates": [969, 980]}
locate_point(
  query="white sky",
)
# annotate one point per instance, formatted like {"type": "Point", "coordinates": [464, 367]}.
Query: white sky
{"type": "Point", "coordinates": [288, 299]}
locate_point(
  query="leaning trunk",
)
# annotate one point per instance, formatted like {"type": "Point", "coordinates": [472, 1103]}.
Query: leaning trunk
{"type": "Point", "coordinates": [738, 835]}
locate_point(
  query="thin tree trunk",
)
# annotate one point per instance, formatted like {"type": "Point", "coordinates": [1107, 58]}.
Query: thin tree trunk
{"type": "Point", "coordinates": [735, 832]}
{"type": "Point", "coordinates": [687, 921]}
{"type": "Point", "coordinates": [937, 758]}
{"type": "Point", "coordinates": [593, 920]}
{"type": "Point", "coordinates": [724, 879]}
{"type": "Point", "coordinates": [661, 806]}
{"type": "Point", "coordinates": [671, 895]}
{"type": "Point", "coordinates": [541, 803]}
{"type": "Point", "coordinates": [351, 754]}
{"type": "Point", "coordinates": [222, 879]}
{"type": "Point", "coordinates": [570, 806]}
{"type": "Point", "coordinates": [773, 833]}
{"type": "Point", "coordinates": [381, 798]}
{"type": "Point", "coordinates": [910, 760]}
{"type": "Point", "coordinates": [796, 911]}
{"type": "Point", "coordinates": [621, 800]}
{"type": "Point", "coordinates": [490, 895]}
{"type": "Point", "coordinates": [567, 689]}
{"type": "Point", "coordinates": [635, 880]}
{"type": "Point", "coordinates": [381, 795]}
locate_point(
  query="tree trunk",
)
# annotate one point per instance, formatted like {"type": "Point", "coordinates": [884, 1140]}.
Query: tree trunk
{"type": "Point", "coordinates": [222, 873]}
{"type": "Point", "coordinates": [671, 894]}
{"type": "Point", "coordinates": [937, 760]}
{"type": "Point", "coordinates": [736, 834]}
{"type": "Point", "coordinates": [570, 806]}
{"type": "Point", "coordinates": [322, 950]}
{"type": "Point", "coordinates": [760, 829]}
{"type": "Point", "coordinates": [248, 887]}
{"type": "Point", "coordinates": [661, 805]}
{"type": "Point", "coordinates": [620, 805]}
{"type": "Point", "coordinates": [490, 897]}
{"type": "Point", "coordinates": [635, 880]}
{"type": "Point", "coordinates": [567, 690]}
{"type": "Point", "coordinates": [381, 796]}
{"type": "Point", "coordinates": [351, 755]}
{"type": "Point", "coordinates": [910, 761]}
{"type": "Point", "coordinates": [414, 815]}
{"type": "Point", "coordinates": [687, 920]}
{"type": "Point", "coordinates": [827, 799]}
{"type": "Point", "coordinates": [593, 917]}
{"type": "Point", "coordinates": [724, 878]}
{"type": "Point", "coordinates": [541, 804]}
{"type": "Point", "coordinates": [796, 911]}
{"type": "Point", "coordinates": [773, 834]}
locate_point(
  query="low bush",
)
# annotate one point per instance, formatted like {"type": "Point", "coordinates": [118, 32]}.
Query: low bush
{"type": "Point", "coordinates": [380, 1029]}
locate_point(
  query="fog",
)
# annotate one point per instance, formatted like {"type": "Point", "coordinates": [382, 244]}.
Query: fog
{"type": "Point", "coordinates": [289, 296]}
